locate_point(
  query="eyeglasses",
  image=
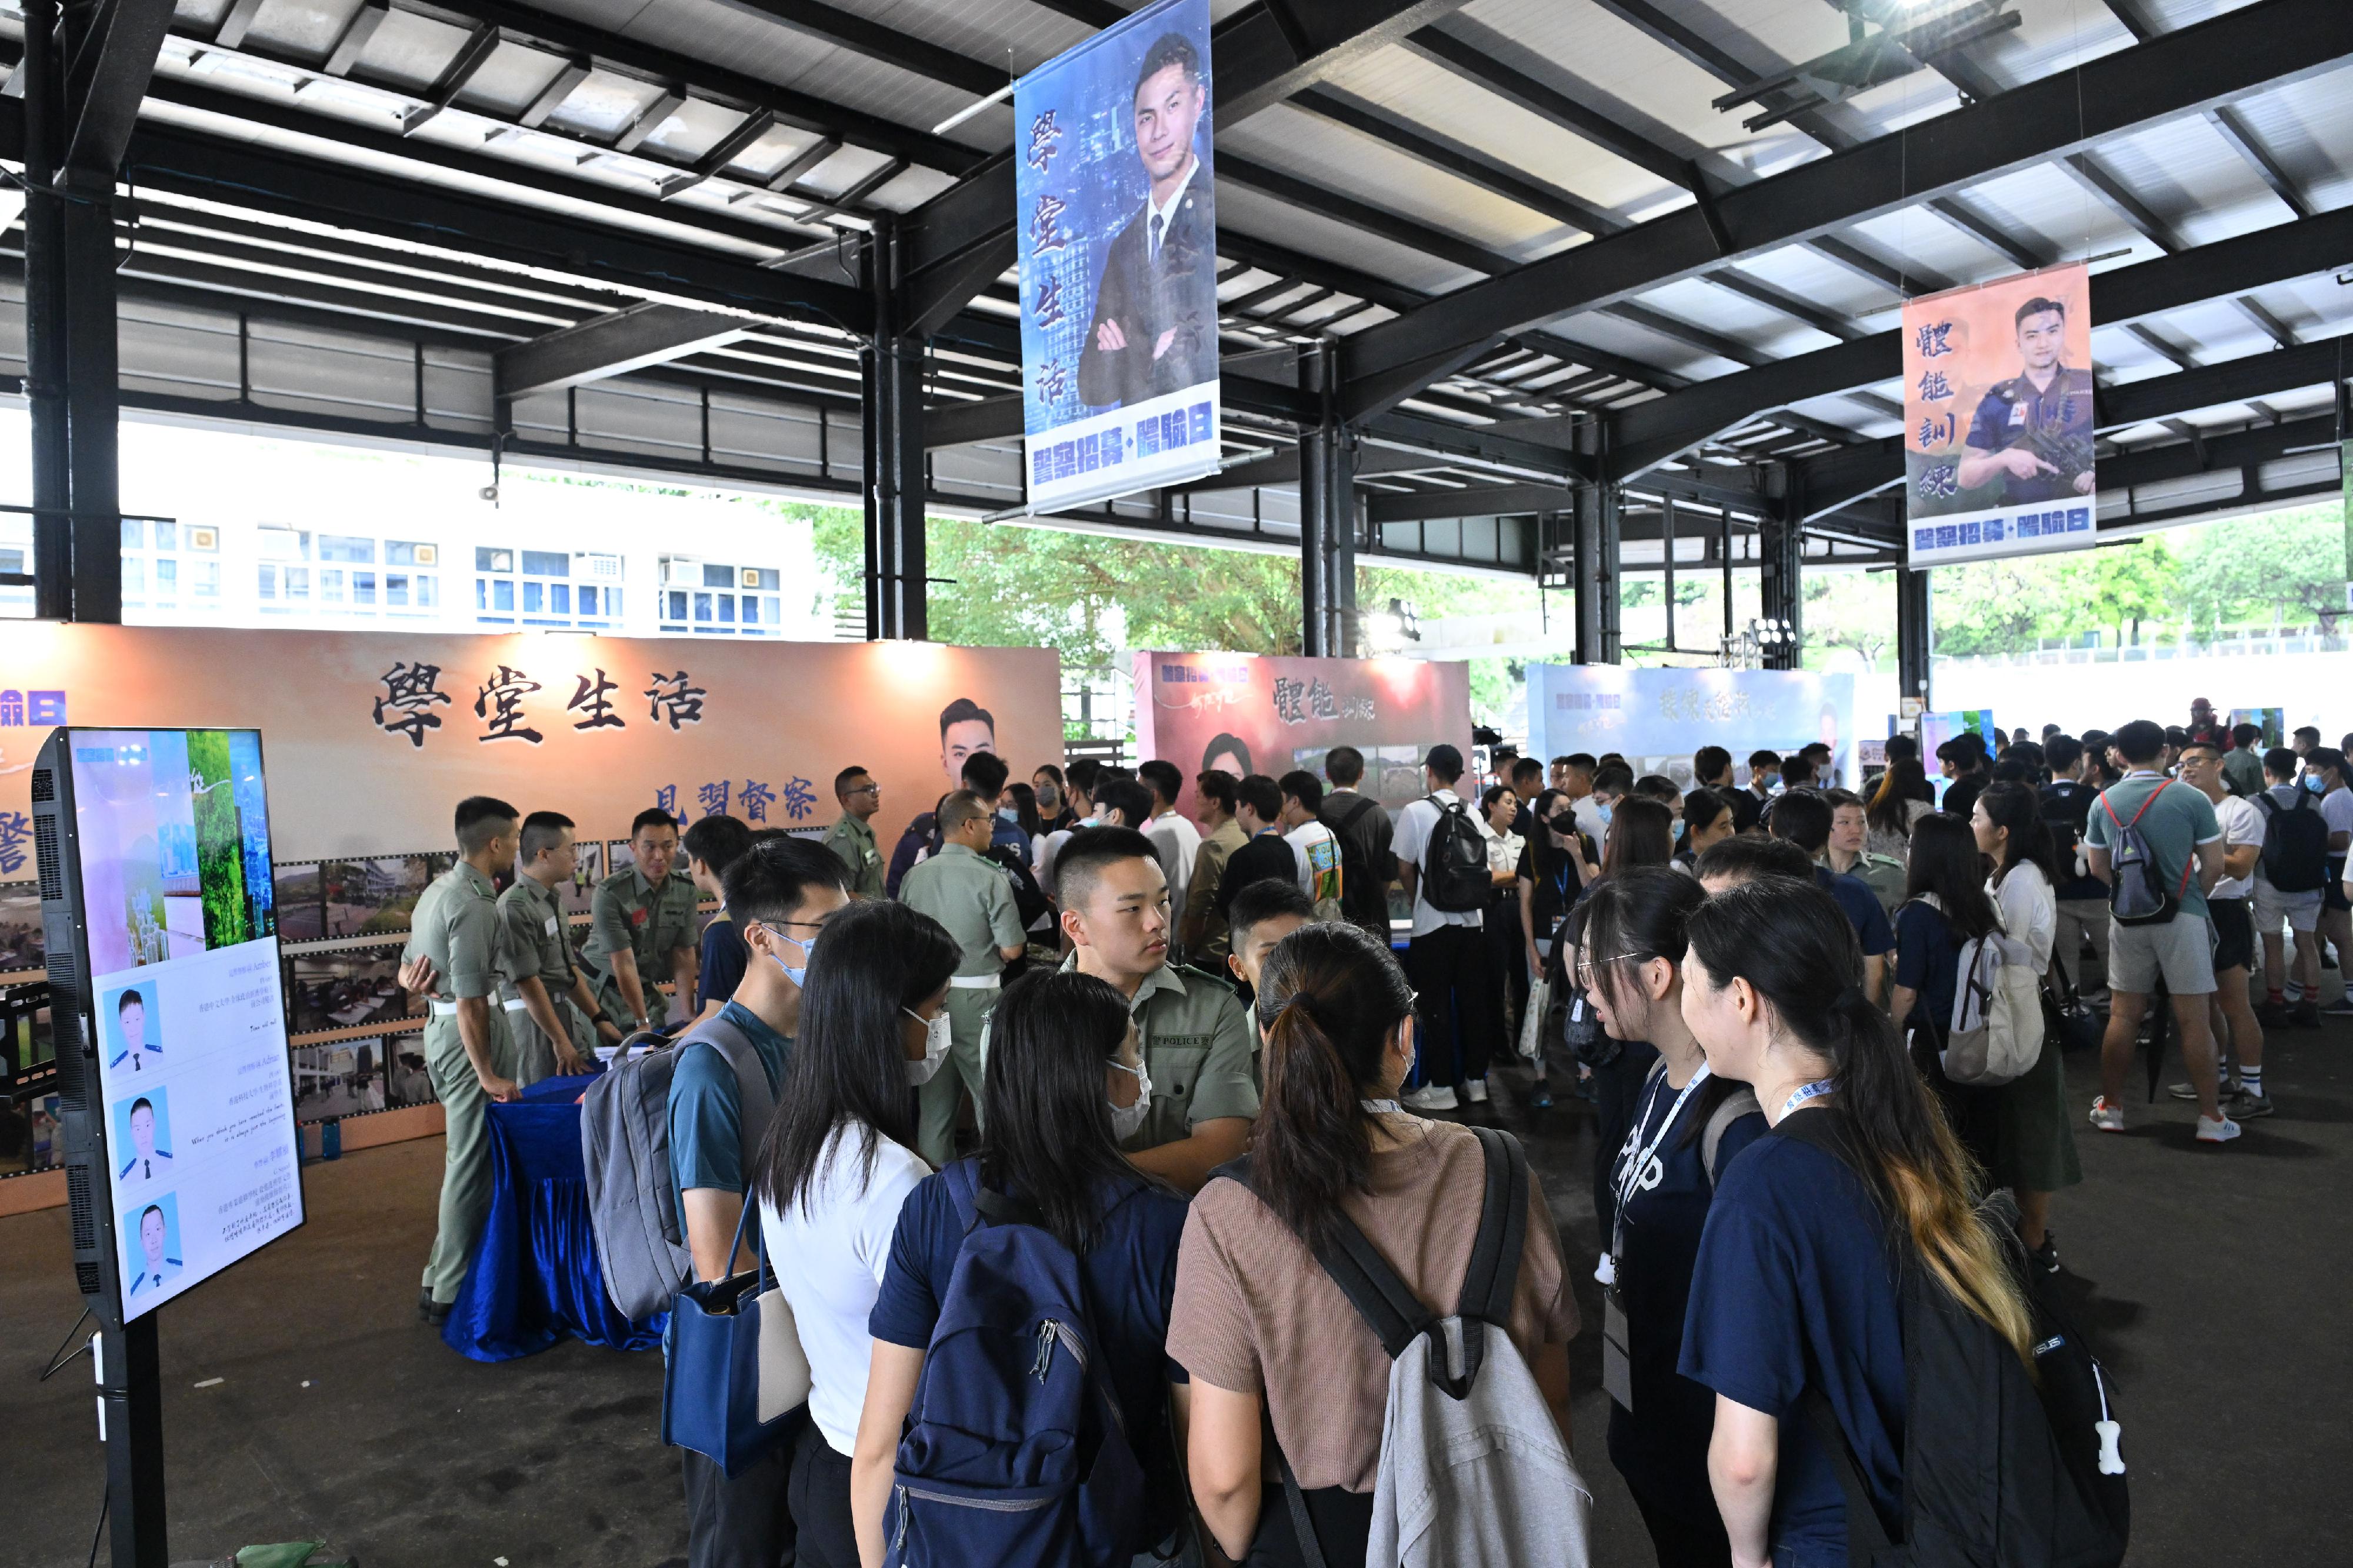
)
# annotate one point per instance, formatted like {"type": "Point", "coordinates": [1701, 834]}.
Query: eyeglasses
{"type": "Point", "coordinates": [1585, 968]}
{"type": "Point", "coordinates": [865, 789]}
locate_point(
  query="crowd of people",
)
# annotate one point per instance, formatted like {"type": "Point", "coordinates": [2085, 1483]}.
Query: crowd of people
{"type": "Point", "coordinates": [1189, 1051]}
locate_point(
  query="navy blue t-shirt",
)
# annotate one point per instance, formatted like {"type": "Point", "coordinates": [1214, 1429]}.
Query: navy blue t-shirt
{"type": "Point", "coordinates": [1130, 1278]}
{"type": "Point", "coordinates": [1661, 1447]}
{"type": "Point", "coordinates": [1795, 1287]}
{"type": "Point", "coordinates": [1927, 960]}
{"type": "Point", "coordinates": [1862, 907]}
{"type": "Point", "coordinates": [721, 968]}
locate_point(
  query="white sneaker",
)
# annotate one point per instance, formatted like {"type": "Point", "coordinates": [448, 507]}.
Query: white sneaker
{"type": "Point", "coordinates": [2217, 1130]}
{"type": "Point", "coordinates": [1428, 1097]}
{"type": "Point", "coordinates": [1475, 1090]}
{"type": "Point", "coordinates": [2108, 1118]}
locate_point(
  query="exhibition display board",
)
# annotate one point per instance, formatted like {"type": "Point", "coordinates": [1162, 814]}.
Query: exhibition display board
{"type": "Point", "coordinates": [1658, 718]}
{"type": "Point", "coordinates": [1250, 713]}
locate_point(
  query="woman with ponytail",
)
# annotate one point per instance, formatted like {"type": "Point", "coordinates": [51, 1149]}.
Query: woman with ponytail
{"type": "Point", "coordinates": [1259, 1324]}
{"type": "Point", "coordinates": [1795, 1288]}
{"type": "Point", "coordinates": [1686, 1126]}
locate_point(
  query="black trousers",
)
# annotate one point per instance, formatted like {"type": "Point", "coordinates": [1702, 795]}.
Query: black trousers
{"type": "Point", "coordinates": [1460, 1010]}
{"type": "Point", "coordinates": [1343, 1521]}
{"type": "Point", "coordinates": [1687, 1536]}
{"type": "Point", "coordinates": [741, 1523]}
{"type": "Point", "coordinates": [820, 1490]}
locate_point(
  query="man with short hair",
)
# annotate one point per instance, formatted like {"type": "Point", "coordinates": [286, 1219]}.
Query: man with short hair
{"type": "Point", "coordinates": [131, 1023]}
{"type": "Point", "coordinates": [552, 1014]}
{"type": "Point", "coordinates": [2030, 439]}
{"type": "Point", "coordinates": [641, 928]}
{"type": "Point", "coordinates": [2243, 764]}
{"type": "Point", "coordinates": [1711, 769]}
{"type": "Point", "coordinates": [1764, 768]}
{"type": "Point", "coordinates": [852, 837]}
{"type": "Point", "coordinates": [1176, 839]}
{"type": "Point", "coordinates": [1194, 1039]}
{"type": "Point", "coordinates": [1577, 783]}
{"type": "Point", "coordinates": [1745, 857]}
{"type": "Point", "coordinates": [2185, 846]}
{"type": "Point", "coordinates": [2082, 900]}
{"type": "Point", "coordinates": [1527, 783]}
{"type": "Point", "coordinates": [2304, 739]}
{"type": "Point", "coordinates": [1560, 766]}
{"type": "Point", "coordinates": [455, 931]}
{"type": "Point", "coordinates": [1804, 818]}
{"type": "Point", "coordinates": [968, 758]}
{"type": "Point", "coordinates": [712, 844]}
{"type": "Point", "coordinates": [1460, 1016]}
{"type": "Point", "coordinates": [1201, 930]}
{"type": "Point", "coordinates": [1823, 759]}
{"type": "Point", "coordinates": [2235, 932]}
{"type": "Point", "coordinates": [967, 893]}
{"type": "Point", "coordinates": [781, 893]}
{"type": "Point", "coordinates": [1797, 774]}
{"type": "Point", "coordinates": [1258, 811]}
{"type": "Point", "coordinates": [146, 1163]}
{"type": "Point", "coordinates": [1263, 914]}
{"type": "Point", "coordinates": [1847, 854]}
{"type": "Point", "coordinates": [1318, 850]}
{"type": "Point", "coordinates": [1963, 760]}
{"type": "Point", "coordinates": [2292, 992]}
{"type": "Point", "coordinates": [1122, 802]}
{"type": "Point", "coordinates": [1367, 864]}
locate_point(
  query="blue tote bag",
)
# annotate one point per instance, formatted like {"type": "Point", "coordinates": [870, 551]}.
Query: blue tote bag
{"type": "Point", "coordinates": [736, 1373]}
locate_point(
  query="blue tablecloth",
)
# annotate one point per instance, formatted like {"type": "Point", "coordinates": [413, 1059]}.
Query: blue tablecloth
{"type": "Point", "coordinates": [533, 1277]}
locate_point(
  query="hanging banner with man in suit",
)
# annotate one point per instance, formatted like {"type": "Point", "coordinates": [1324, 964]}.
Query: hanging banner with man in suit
{"type": "Point", "coordinates": [1117, 233]}
{"type": "Point", "coordinates": [1998, 419]}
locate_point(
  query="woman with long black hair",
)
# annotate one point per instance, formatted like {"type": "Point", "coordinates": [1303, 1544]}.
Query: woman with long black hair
{"type": "Point", "coordinates": [1945, 907]}
{"type": "Point", "coordinates": [1708, 820]}
{"type": "Point", "coordinates": [1797, 1285]}
{"type": "Point", "coordinates": [1642, 833]}
{"type": "Point", "coordinates": [1269, 1341]}
{"type": "Point", "coordinates": [2034, 1142]}
{"type": "Point", "coordinates": [1065, 1084]}
{"type": "Point", "coordinates": [838, 1161]}
{"type": "Point", "coordinates": [1902, 798]}
{"type": "Point", "coordinates": [1689, 1124]}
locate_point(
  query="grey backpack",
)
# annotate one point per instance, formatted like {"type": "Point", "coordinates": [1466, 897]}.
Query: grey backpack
{"type": "Point", "coordinates": [624, 1143]}
{"type": "Point", "coordinates": [1474, 1471]}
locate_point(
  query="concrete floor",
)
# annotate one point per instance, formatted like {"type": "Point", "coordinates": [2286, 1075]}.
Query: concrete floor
{"type": "Point", "coordinates": [2215, 1282]}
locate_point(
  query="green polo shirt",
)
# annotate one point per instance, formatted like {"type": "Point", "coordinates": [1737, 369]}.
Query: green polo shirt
{"type": "Point", "coordinates": [2175, 823]}
{"type": "Point", "coordinates": [1198, 1046]}
{"type": "Point", "coordinates": [531, 922]}
{"type": "Point", "coordinates": [853, 842]}
{"type": "Point", "coordinates": [970, 897]}
{"type": "Point", "coordinates": [456, 924]}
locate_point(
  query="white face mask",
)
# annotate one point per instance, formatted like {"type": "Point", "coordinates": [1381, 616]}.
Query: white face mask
{"type": "Point", "coordinates": [1126, 1119]}
{"type": "Point", "coordinates": [938, 1032]}
{"type": "Point", "coordinates": [808, 951]}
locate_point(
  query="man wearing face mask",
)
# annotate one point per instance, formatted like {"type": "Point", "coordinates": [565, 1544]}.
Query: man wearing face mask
{"type": "Point", "coordinates": [723, 1094]}
{"type": "Point", "coordinates": [969, 895]}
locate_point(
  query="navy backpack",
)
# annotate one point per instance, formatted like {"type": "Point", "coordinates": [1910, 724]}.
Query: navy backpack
{"type": "Point", "coordinates": [1015, 1454]}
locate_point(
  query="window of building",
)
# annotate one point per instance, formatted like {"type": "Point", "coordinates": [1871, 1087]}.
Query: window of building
{"type": "Point", "coordinates": [343, 547]}
{"type": "Point", "coordinates": [702, 596]}
{"type": "Point", "coordinates": [577, 589]}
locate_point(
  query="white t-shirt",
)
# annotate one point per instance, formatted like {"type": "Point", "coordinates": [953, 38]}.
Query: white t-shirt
{"type": "Point", "coordinates": [1589, 820]}
{"type": "Point", "coordinates": [1319, 860]}
{"type": "Point", "coordinates": [2243, 825]}
{"type": "Point", "coordinates": [2030, 911]}
{"type": "Point", "coordinates": [1177, 841]}
{"type": "Point", "coordinates": [829, 1252]}
{"type": "Point", "coordinates": [2336, 810]}
{"type": "Point", "coordinates": [1411, 843]}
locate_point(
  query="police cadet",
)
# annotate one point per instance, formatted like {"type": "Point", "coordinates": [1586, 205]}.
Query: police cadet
{"type": "Point", "coordinates": [641, 930]}
{"type": "Point", "coordinates": [456, 950]}
{"type": "Point", "coordinates": [2049, 397]}
{"type": "Point", "coordinates": [969, 894]}
{"type": "Point", "coordinates": [552, 1014]}
{"type": "Point", "coordinates": [1197, 1043]}
{"type": "Point", "coordinates": [852, 836]}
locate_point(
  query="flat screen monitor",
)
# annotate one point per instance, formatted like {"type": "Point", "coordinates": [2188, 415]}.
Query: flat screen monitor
{"type": "Point", "coordinates": [167, 834]}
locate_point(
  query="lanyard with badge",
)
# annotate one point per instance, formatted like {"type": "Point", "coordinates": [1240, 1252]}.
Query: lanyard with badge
{"type": "Point", "coordinates": [1617, 1364]}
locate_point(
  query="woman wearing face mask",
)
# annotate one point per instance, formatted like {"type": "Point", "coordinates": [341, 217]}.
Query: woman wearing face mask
{"type": "Point", "coordinates": [1065, 1086]}
{"type": "Point", "coordinates": [1796, 1286]}
{"type": "Point", "coordinates": [1046, 785]}
{"type": "Point", "coordinates": [1687, 1126]}
{"type": "Point", "coordinates": [837, 1163]}
{"type": "Point", "coordinates": [1272, 1342]}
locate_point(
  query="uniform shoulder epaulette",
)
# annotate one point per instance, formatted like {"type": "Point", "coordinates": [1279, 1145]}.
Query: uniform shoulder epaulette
{"type": "Point", "coordinates": [1195, 972]}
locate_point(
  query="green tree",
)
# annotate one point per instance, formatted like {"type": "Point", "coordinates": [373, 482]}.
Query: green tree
{"type": "Point", "coordinates": [2288, 569]}
{"type": "Point", "coordinates": [1851, 610]}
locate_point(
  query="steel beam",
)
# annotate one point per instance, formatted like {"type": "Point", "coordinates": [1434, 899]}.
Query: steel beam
{"type": "Point", "coordinates": [2187, 71]}
{"type": "Point", "coordinates": [109, 49]}
{"type": "Point", "coordinates": [897, 586]}
{"type": "Point", "coordinates": [610, 345]}
{"type": "Point", "coordinates": [1914, 632]}
{"type": "Point", "coordinates": [1651, 433]}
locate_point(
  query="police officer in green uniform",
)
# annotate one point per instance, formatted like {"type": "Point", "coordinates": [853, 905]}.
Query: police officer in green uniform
{"type": "Point", "coordinates": [853, 837]}
{"type": "Point", "coordinates": [2022, 423]}
{"type": "Point", "coordinates": [551, 1013]}
{"type": "Point", "coordinates": [454, 948]}
{"type": "Point", "coordinates": [1198, 1048]}
{"type": "Point", "coordinates": [641, 930]}
{"type": "Point", "coordinates": [969, 895]}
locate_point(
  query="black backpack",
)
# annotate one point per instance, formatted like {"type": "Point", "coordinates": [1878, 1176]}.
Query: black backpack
{"type": "Point", "coordinates": [1454, 875]}
{"type": "Point", "coordinates": [2295, 843]}
{"type": "Point", "coordinates": [2013, 1469]}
